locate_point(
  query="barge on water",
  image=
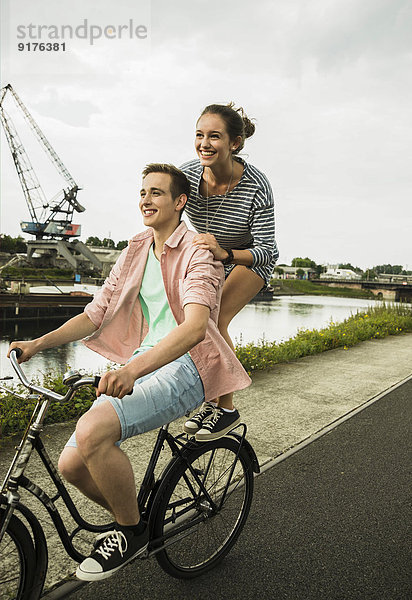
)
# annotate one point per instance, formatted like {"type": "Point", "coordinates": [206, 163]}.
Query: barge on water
{"type": "Point", "coordinates": [25, 307]}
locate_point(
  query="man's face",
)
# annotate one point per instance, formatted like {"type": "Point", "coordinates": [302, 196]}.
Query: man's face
{"type": "Point", "coordinates": [157, 206]}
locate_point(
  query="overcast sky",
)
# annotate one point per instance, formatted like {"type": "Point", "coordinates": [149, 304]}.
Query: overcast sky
{"type": "Point", "coordinates": [328, 81]}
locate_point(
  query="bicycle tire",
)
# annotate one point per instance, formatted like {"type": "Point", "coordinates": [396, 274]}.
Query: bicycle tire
{"type": "Point", "coordinates": [17, 562]}
{"type": "Point", "coordinates": [207, 542]}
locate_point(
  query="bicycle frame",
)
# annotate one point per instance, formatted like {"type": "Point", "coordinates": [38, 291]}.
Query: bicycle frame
{"type": "Point", "coordinates": [31, 440]}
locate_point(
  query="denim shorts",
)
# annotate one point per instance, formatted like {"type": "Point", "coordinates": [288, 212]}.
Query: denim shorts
{"type": "Point", "coordinates": [158, 398]}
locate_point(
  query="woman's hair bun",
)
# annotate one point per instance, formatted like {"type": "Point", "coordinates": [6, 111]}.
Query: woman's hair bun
{"type": "Point", "coordinates": [249, 126]}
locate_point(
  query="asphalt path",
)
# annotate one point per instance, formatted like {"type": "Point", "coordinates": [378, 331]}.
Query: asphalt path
{"type": "Point", "coordinates": [332, 521]}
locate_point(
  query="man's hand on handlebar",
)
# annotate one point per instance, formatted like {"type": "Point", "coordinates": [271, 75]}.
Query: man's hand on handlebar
{"type": "Point", "coordinates": [117, 383]}
{"type": "Point", "coordinates": [28, 349]}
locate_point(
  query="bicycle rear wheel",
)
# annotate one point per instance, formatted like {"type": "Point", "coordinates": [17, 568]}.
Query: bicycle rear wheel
{"type": "Point", "coordinates": [211, 530]}
{"type": "Point", "coordinates": [17, 562]}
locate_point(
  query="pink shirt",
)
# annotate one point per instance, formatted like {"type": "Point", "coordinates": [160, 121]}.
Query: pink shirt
{"type": "Point", "coordinates": [190, 275]}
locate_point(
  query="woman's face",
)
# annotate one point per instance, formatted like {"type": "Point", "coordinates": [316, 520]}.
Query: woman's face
{"type": "Point", "coordinates": [212, 142]}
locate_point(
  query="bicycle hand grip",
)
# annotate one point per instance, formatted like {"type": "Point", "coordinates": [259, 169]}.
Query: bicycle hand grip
{"type": "Point", "coordinates": [18, 352]}
{"type": "Point", "coordinates": [97, 379]}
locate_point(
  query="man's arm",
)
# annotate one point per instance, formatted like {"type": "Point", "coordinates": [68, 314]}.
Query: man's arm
{"type": "Point", "coordinates": [76, 328]}
{"type": "Point", "coordinates": [179, 341]}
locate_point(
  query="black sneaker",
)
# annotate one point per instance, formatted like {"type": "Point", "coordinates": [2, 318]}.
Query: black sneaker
{"type": "Point", "coordinates": [115, 550]}
{"type": "Point", "coordinates": [195, 423]}
{"type": "Point", "coordinates": [216, 426]}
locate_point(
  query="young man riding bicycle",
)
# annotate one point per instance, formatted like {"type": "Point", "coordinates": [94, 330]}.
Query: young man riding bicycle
{"type": "Point", "coordinates": [160, 301]}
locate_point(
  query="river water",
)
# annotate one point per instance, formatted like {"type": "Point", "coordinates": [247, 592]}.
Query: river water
{"type": "Point", "coordinates": [277, 320]}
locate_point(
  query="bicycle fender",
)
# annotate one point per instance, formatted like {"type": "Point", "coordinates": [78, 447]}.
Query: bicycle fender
{"type": "Point", "coordinates": [249, 449]}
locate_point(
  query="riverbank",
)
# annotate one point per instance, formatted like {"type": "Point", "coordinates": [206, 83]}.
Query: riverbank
{"type": "Point", "coordinates": [300, 287]}
{"type": "Point", "coordinates": [377, 323]}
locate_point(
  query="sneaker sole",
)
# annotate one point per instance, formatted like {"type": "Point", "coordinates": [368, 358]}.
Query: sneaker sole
{"type": "Point", "coordinates": [191, 431]}
{"type": "Point", "coordinates": [84, 576]}
{"type": "Point", "coordinates": [208, 437]}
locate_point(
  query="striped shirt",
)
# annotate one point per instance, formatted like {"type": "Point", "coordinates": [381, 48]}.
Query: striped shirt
{"type": "Point", "coordinates": [244, 220]}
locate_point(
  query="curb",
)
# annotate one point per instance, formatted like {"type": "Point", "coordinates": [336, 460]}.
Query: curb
{"type": "Point", "coordinates": [324, 430]}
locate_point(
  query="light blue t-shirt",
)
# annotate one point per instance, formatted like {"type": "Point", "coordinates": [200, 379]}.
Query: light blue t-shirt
{"type": "Point", "coordinates": [155, 306]}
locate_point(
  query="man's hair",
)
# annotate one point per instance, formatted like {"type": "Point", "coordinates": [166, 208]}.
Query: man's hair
{"type": "Point", "coordinates": [179, 182]}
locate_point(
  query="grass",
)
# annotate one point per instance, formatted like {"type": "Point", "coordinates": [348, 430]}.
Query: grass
{"type": "Point", "coordinates": [303, 286]}
{"type": "Point", "coordinates": [377, 323]}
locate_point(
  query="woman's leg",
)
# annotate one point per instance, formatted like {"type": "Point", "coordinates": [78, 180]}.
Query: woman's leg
{"type": "Point", "coordinates": [240, 287]}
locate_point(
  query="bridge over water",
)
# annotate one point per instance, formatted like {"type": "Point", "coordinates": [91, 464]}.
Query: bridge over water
{"type": "Point", "coordinates": [392, 291]}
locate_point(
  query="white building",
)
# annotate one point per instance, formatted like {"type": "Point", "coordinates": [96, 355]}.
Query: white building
{"type": "Point", "coordinates": [336, 273]}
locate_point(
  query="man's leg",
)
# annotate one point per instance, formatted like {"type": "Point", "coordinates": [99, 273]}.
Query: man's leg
{"type": "Point", "coordinates": [158, 398]}
{"type": "Point", "coordinates": [97, 432]}
{"type": "Point", "coordinates": [73, 469]}
{"type": "Point", "coordinates": [110, 470]}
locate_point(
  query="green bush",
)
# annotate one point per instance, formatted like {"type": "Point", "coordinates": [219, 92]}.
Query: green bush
{"type": "Point", "coordinates": [15, 412]}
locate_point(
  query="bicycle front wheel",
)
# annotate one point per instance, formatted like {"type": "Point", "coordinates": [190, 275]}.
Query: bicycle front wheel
{"type": "Point", "coordinates": [17, 562]}
{"type": "Point", "coordinates": [200, 528]}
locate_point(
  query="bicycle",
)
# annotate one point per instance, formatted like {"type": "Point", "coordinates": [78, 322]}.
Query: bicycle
{"type": "Point", "coordinates": [205, 486]}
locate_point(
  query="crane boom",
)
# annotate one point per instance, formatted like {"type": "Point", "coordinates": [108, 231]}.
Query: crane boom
{"type": "Point", "coordinates": [58, 224]}
{"type": "Point", "coordinates": [35, 198]}
{"type": "Point", "coordinates": [47, 147]}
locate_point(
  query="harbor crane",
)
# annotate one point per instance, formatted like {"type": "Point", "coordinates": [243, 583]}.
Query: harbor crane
{"type": "Point", "coordinates": [51, 220]}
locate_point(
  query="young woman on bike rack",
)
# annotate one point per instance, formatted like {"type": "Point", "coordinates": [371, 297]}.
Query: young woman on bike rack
{"type": "Point", "coordinates": [157, 312]}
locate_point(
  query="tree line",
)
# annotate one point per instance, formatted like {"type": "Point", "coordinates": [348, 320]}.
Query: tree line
{"type": "Point", "coordinates": [371, 273]}
{"type": "Point", "coordinates": [106, 243]}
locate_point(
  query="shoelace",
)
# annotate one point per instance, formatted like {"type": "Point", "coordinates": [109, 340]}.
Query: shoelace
{"type": "Point", "coordinates": [112, 542]}
{"type": "Point", "coordinates": [202, 412]}
{"type": "Point", "coordinates": [217, 413]}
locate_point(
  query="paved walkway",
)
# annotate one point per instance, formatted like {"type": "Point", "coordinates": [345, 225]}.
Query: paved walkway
{"type": "Point", "coordinates": [332, 522]}
{"type": "Point", "coordinates": [281, 408]}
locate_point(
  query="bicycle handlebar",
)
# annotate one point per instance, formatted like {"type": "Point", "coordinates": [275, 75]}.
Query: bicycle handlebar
{"type": "Point", "coordinates": [17, 352]}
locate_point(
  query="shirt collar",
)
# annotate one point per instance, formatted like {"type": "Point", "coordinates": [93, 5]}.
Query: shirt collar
{"type": "Point", "coordinates": [176, 237]}
{"type": "Point", "coordinates": [172, 241]}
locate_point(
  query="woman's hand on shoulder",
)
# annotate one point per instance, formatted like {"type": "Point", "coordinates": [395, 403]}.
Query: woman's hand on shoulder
{"type": "Point", "coordinates": [207, 241]}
